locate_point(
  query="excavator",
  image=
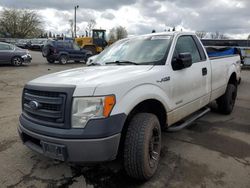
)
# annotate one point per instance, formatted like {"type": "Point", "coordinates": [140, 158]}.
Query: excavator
{"type": "Point", "coordinates": [96, 43]}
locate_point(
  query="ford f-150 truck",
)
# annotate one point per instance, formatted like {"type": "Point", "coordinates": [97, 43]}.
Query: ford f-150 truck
{"type": "Point", "coordinates": [118, 106]}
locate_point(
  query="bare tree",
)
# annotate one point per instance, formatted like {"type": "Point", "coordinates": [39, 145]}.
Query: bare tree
{"type": "Point", "coordinates": [121, 32]}
{"type": "Point", "coordinates": [112, 36]}
{"type": "Point", "coordinates": [215, 35]}
{"type": "Point", "coordinates": [117, 33]}
{"type": "Point", "coordinates": [18, 23]}
{"type": "Point", "coordinates": [90, 26]}
{"type": "Point", "coordinates": [222, 36]}
{"type": "Point", "coordinates": [201, 34]}
{"type": "Point", "coordinates": [218, 35]}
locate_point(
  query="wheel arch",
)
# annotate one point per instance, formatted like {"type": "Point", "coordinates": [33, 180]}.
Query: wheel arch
{"type": "Point", "coordinates": [233, 79]}
{"type": "Point", "coordinates": [12, 58]}
{"type": "Point", "coordinates": [151, 105]}
{"type": "Point", "coordinates": [63, 53]}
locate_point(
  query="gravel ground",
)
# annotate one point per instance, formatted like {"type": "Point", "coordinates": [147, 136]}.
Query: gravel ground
{"type": "Point", "coordinates": [213, 152]}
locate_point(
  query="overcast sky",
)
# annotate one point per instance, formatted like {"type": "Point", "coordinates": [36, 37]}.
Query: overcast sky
{"type": "Point", "coordinates": [231, 17]}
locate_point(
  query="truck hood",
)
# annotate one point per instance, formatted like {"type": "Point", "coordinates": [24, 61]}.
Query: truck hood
{"type": "Point", "coordinates": [87, 79]}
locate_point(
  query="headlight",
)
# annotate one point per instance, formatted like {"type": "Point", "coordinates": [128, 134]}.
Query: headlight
{"type": "Point", "coordinates": [85, 108]}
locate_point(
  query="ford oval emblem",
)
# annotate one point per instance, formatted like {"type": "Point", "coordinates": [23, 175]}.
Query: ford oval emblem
{"type": "Point", "coordinates": [34, 105]}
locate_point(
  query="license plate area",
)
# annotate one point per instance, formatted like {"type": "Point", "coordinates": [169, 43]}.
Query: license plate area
{"type": "Point", "coordinates": [55, 151]}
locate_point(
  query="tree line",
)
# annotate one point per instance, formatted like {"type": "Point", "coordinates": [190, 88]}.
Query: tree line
{"type": "Point", "coordinates": [21, 23]}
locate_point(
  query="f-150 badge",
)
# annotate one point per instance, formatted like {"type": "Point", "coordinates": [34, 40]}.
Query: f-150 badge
{"type": "Point", "coordinates": [165, 79]}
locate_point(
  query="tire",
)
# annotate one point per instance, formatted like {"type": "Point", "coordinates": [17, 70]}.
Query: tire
{"type": "Point", "coordinates": [142, 146]}
{"type": "Point", "coordinates": [87, 57]}
{"type": "Point", "coordinates": [17, 61]}
{"type": "Point", "coordinates": [90, 48]}
{"type": "Point", "coordinates": [63, 59]}
{"type": "Point", "coordinates": [226, 102]}
{"type": "Point", "coordinates": [45, 52]}
{"type": "Point", "coordinates": [50, 60]}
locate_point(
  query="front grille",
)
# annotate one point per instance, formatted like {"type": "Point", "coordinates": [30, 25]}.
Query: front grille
{"type": "Point", "coordinates": [49, 106]}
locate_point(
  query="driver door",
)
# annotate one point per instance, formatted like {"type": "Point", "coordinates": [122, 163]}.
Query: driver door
{"type": "Point", "coordinates": [189, 85]}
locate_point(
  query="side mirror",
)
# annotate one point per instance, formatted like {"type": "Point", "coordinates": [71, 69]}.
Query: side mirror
{"type": "Point", "coordinates": [184, 60]}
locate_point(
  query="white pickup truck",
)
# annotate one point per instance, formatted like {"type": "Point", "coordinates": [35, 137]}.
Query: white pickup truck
{"type": "Point", "coordinates": [118, 107]}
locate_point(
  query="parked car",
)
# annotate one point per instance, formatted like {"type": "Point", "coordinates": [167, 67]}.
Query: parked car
{"type": "Point", "coordinates": [23, 43]}
{"type": "Point", "coordinates": [64, 51]}
{"type": "Point", "coordinates": [142, 85]}
{"type": "Point", "coordinates": [36, 44]}
{"type": "Point", "coordinates": [10, 53]}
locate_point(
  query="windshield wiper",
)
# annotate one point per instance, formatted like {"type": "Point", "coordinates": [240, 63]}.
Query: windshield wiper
{"type": "Point", "coordinates": [122, 63]}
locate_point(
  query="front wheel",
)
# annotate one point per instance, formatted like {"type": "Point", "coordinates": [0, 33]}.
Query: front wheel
{"type": "Point", "coordinates": [92, 49]}
{"type": "Point", "coordinates": [63, 59]}
{"type": "Point", "coordinates": [226, 102]}
{"type": "Point", "coordinates": [50, 60]}
{"type": "Point", "coordinates": [142, 146]}
{"type": "Point", "coordinates": [87, 57]}
{"type": "Point", "coordinates": [17, 61]}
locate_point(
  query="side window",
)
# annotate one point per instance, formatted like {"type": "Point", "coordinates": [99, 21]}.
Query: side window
{"type": "Point", "coordinates": [76, 47]}
{"type": "Point", "coordinates": [4, 47]}
{"type": "Point", "coordinates": [67, 45]}
{"type": "Point", "coordinates": [186, 44]}
{"type": "Point", "coordinates": [60, 45]}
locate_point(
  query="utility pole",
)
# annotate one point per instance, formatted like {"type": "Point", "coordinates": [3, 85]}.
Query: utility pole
{"type": "Point", "coordinates": [76, 7]}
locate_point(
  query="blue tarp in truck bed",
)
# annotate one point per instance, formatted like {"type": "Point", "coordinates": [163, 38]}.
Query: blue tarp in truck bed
{"type": "Point", "coordinates": [221, 52]}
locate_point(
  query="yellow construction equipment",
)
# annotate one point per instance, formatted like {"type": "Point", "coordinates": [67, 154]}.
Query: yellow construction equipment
{"type": "Point", "coordinates": [96, 43]}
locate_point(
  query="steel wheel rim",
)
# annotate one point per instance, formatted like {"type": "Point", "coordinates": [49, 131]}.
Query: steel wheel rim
{"type": "Point", "coordinates": [154, 145]}
{"type": "Point", "coordinates": [64, 60]}
{"type": "Point", "coordinates": [17, 61]}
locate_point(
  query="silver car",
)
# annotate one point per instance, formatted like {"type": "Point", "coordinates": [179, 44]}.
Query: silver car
{"type": "Point", "coordinates": [11, 54]}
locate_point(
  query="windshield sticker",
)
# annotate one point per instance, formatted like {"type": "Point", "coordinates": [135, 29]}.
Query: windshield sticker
{"type": "Point", "coordinates": [160, 38]}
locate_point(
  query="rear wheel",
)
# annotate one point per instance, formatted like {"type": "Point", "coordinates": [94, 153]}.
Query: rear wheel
{"type": "Point", "coordinates": [142, 146]}
{"type": "Point", "coordinates": [17, 61]}
{"type": "Point", "coordinates": [90, 48]}
{"type": "Point", "coordinates": [63, 59]}
{"type": "Point", "coordinates": [226, 102]}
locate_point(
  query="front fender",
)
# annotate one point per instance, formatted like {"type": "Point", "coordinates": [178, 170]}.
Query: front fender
{"type": "Point", "coordinates": [138, 94]}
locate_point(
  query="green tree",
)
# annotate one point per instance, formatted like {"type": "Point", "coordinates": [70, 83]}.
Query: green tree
{"type": "Point", "coordinates": [19, 23]}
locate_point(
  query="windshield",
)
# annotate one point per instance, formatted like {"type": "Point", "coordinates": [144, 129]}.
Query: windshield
{"type": "Point", "coordinates": [139, 50]}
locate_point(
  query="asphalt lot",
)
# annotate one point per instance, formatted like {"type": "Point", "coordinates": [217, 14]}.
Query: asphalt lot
{"type": "Point", "coordinates": [213, 152]}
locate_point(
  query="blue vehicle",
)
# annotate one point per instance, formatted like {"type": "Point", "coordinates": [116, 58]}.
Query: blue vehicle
{"type": "Point", "coordinates": [64, 51]}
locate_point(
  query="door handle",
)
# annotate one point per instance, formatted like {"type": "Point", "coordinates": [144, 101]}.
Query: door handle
{"type": "Point", "coordinates": [204, 71]}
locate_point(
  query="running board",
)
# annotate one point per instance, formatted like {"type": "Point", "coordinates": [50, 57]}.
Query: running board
{"type": "Point", "coordinates": [189, 120]}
